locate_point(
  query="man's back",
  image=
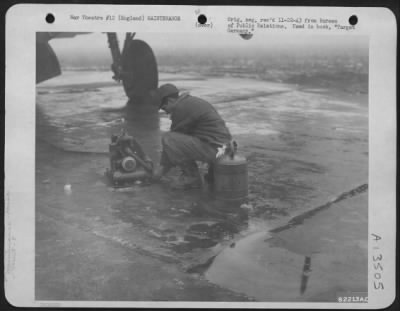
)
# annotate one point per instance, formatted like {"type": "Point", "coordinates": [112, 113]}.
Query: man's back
{"type": "Point", "coordinates": [196, 117]}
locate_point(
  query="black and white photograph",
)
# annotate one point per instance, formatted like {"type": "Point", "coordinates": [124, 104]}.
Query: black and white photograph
{"type": "Point", "coordinates": [201, 167]}
{"type": "Point", "coordinates": [215, 168]}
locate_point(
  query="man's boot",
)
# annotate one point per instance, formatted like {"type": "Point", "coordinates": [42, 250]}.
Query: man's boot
{"type": "Point", "coordinates": [190, 178]}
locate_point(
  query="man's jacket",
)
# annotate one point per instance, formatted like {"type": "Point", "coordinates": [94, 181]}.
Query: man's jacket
{"type": "Point", "coordinates": [196, 117]}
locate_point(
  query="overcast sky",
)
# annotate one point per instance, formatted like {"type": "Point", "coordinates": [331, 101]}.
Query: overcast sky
{"type": "Point", "coordinates": [92, 49]}
{"type": "Point", "coordinates": [160, 42]}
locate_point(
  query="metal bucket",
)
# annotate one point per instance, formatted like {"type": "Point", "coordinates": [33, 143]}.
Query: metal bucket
{"type": "Point", "coordinates": [230, 178]}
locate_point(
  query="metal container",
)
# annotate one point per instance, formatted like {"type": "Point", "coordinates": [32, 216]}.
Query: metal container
{"type": "Point", "coordinates": [230, 178]}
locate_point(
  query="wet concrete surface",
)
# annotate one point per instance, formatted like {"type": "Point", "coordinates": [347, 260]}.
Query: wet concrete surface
{"type": "Point", "coordinates": [315, 259]}
{"type": "Point", "coordinates": [305, 147]}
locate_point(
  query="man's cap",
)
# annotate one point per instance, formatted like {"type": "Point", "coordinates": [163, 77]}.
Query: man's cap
{"type": "Point", "coordinates": [167, 90]}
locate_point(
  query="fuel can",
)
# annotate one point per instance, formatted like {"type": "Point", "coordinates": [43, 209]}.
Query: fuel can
{"type": "Point", "coordinates": [230, 178]}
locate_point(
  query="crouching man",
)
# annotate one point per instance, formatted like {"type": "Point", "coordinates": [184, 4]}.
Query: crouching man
{"type": "Point", "coordinates": [197, 130]}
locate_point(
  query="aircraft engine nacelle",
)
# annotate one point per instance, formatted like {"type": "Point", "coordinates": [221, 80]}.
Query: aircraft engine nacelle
{"type": "Point", "coordinates": [135, 65]}
{"type": "Point", "coordinates": [47, 65]}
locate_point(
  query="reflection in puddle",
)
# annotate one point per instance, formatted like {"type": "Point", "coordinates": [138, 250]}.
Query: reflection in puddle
{"type": "Point", "coordinates": [277, 265]}
{"type": "Point", "coordinates": [254, 267]}
{"type": "Point", "coordinates": [306, 274]}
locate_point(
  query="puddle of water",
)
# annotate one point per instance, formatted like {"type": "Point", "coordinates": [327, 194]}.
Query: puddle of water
{"type": "Point", "coordinates": [251, 267]}
{"type": "Point", "coordinates": [271, 273]}
{"type": "Point", "coordinates": [309, 262]}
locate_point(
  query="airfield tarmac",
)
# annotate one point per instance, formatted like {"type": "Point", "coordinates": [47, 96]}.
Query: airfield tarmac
{"type": "Point", "coordinates": [307, 151]}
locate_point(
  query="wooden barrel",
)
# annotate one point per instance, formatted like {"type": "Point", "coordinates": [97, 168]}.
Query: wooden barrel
{"type": "Point", "coordinates": [230, 178]}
